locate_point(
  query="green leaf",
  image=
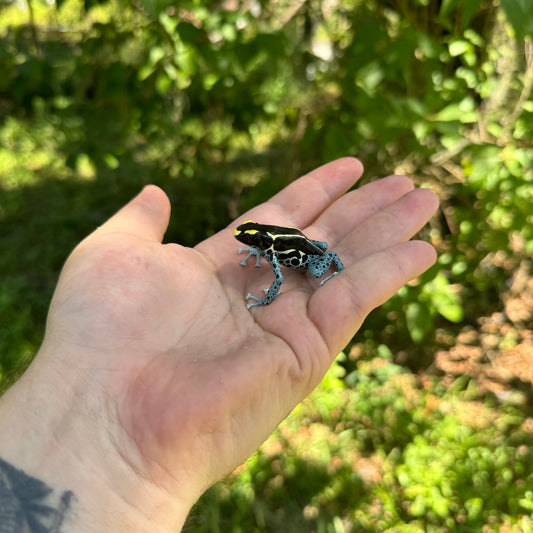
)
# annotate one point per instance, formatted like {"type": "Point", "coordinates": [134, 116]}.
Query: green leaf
{"type": "Point", "coordinates": [87, 4]}
{"type": "Point", "coordinates": [474, 507]}
{"type": "Point", "coordinates": [458, 47]}
{"type": "Point", "coordinates": [419, 321]}
{"type": "Point", "coordinates": [463, 111]}
{"type": "Point", "coordinates": [441, 506]}
{"type": "Point", "coordinates": [466, 11]}
{"type": "Point", "coordinates": [444, 299]}
{"type": "Point", "coordinates": [481, 164]}
{"type": "Point", "coordinates": [527, 503]}
{"type": "Point", "coordinates": [520, 16]}
{"type": "Point", "coordinates": [418, 507]}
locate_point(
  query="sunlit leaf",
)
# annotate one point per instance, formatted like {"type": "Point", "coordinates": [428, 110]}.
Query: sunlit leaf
{"type": "Point", "coordinates": [520, 15]}
{"type": "Point", "coordinates": [458, 47]}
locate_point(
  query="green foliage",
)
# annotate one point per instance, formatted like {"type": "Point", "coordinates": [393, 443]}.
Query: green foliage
{"type": "Point", "coordinates": [520, 15]}
{"type": "Point", "coordinates": [380, 455]}
{"type": "Point", "coordinates": [222, 105]}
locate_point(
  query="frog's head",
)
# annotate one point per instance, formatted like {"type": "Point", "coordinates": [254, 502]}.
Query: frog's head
{"type": "Point", "coordinates": [253, 234]}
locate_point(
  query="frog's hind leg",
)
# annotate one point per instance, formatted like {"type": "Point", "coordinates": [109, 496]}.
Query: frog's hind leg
{"type": "Point", "coordinates": [320, 244]}
{"type": "Point", "coordinates": [319, 265]}
{"type": "Point", "coordinates": [337, 264]}
{"type": "Point", "coordinates": [251, 251]}
{"type": "Point", "coordinates": [272, 292]}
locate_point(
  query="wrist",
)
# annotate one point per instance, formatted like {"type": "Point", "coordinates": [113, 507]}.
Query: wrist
{"type": "Point", "coordinates": [60, 435]}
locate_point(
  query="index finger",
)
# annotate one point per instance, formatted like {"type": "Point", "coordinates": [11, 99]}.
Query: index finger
{"type": "Point", "coordinates": [301, 202]}
{"type": "Point", "coordinates": [298, 204]}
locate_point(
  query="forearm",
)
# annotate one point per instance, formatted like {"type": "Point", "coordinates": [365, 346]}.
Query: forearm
{"type": "Point", "coordinates": [59, 472]}
{"type": "Point", "coordinates": [35, 503]}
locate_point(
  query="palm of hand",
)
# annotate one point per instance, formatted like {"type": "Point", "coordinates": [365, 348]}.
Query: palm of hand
{"type": "Point", "coordinates": [189, 370]}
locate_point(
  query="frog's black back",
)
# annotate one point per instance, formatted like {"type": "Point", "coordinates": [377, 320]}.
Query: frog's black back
{"type": "Point", "coordinates": [280, 238]}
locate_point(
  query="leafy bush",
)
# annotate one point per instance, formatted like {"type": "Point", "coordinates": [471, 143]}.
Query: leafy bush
{"type": "Point", "coordinates": [382, 454]}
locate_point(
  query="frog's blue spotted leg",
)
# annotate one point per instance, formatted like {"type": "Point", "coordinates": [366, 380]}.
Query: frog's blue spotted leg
{"type": "Point", "coordinates": [251, 251]}
{"type": "Point", "coordinates": [273, 290]}
{"type": "Point", "coordinates": [318, 265]}
{"type": "Point", "coordinates": [320, 244]}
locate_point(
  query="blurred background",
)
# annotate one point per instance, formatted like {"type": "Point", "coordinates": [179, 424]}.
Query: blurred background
{"type": "Point", "coordinates": [425, 421]}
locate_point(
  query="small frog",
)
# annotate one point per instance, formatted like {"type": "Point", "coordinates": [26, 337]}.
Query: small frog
{"type": "Point", "coordinates": [287, 247]}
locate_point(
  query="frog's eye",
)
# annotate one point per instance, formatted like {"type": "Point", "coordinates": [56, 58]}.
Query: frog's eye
{"type": "Point", "coordinates": [242, 228]}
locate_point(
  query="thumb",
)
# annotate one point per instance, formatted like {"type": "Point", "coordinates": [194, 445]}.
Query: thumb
{"type": "Point", "coordinates": [146, 216]}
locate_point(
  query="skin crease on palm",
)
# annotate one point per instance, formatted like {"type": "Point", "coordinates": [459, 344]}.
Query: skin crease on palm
{"type": "Point", "coordinates": [154, 380]}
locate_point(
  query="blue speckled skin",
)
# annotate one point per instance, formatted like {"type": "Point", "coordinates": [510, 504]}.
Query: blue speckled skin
{"type": "Point", "coordinates": [287, 247]}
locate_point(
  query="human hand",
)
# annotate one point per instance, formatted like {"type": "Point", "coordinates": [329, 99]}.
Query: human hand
{"type": "Point", "coordinates": [169, 381]}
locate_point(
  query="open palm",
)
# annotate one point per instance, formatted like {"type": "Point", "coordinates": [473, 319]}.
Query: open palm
{"type": "Point", "coordinates": [191, 381]}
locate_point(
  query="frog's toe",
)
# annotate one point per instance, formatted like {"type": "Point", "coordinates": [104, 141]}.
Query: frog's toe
{"type": "Point", "coordinates": [258, 301]}
{"type": "Point", "coordinates": [251, 251]}
{"type": "Point", "coordinates": [250, 295]}
{"type": "Point", "coordinates": [329, 277]}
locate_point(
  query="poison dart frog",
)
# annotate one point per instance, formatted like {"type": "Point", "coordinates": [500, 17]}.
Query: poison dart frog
{"type": "Point", "coordinates": [287, 247]}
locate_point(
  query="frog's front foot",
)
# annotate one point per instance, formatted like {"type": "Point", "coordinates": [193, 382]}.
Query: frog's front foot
{"type": "Point", "coordinates": [251, 251]}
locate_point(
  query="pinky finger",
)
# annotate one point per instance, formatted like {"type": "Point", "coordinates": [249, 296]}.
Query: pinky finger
{"type": "Point", "coordinates": [340, 306]}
